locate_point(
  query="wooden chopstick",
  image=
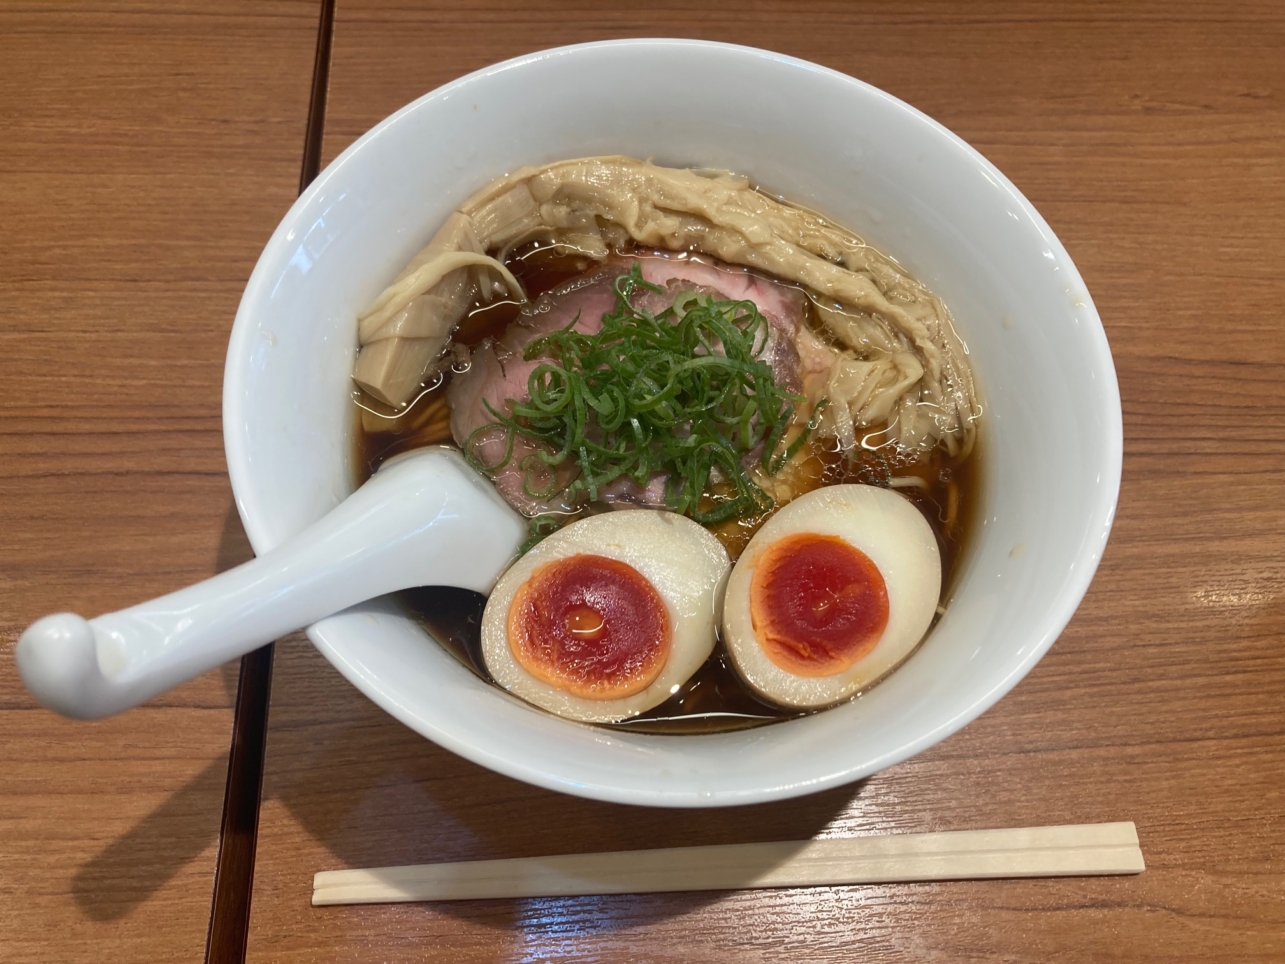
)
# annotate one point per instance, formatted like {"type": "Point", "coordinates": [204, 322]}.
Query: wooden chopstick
{"type": "Point", "coordinates": [1068, 851]}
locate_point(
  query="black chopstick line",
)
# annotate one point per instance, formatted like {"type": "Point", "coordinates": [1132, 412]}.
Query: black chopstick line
{"type": "Point", "coordinates": [229, 931]}
{"type": "Point", "coordinates": [234, 868]}
{"type": "Point", "coordinates": [316, 127]}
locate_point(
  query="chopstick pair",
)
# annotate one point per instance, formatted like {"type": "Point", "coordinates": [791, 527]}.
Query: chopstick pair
{"type": "Point", "coordinates": [1066, 851]}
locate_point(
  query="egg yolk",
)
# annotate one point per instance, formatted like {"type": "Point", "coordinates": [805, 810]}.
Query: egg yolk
{"type": "Point", "coordinates": [817, 604]}
{"type": "Point", "coordinates": [591, 626]}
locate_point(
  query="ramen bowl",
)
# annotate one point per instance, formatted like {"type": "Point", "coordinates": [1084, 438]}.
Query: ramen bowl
{"type": "Point", "coordinates": [1051, 430]}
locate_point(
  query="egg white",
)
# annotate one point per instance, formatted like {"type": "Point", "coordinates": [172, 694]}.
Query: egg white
{"type": "Point", "coordinates": [901, 544]}
{"type": "Point", "coordinates": [685, 563]}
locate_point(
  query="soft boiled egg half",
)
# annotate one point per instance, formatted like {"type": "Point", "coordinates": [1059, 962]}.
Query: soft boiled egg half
{"type": "Point", "coordinates": [831, 594]}
{"type": "Point", "coordinates": [608, 616]}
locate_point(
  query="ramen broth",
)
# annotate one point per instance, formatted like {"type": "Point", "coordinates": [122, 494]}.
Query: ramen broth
{"type": "Point", "coordinates": [945, 489]}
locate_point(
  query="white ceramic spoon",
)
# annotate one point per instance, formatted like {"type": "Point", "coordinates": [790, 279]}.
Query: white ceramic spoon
{"type": "Point", "coordinates": [424, 519]}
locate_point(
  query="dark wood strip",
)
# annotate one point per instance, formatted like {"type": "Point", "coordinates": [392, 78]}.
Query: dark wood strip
{"type": "Point", "coordinates": [234, 869]}
{"type": "Point", "coordinates": [315, 131]}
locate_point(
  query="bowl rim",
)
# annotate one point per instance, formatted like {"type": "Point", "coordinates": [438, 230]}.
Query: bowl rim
{"type": "Point", "coordinates": [1097, 528]}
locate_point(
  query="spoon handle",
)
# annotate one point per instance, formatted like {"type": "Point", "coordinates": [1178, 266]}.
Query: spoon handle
{"type": "Point", "coordinates": [425, 519]}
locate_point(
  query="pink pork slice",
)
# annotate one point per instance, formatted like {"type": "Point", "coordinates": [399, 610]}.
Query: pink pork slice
{"type": "Point", "coordinates": [499, 373]}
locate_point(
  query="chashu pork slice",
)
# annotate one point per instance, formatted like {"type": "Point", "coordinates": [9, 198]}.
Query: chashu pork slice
{"type": "Point", "coordinates": [499, 373]}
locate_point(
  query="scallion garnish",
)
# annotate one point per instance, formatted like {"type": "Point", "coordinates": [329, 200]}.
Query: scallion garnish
{"type": "Point", "coordinates": [684, 393]}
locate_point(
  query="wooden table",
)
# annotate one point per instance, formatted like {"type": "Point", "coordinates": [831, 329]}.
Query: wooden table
{"type": "Point", "coordinates": [148, 150]}
{"type": "Point", "coordinates": [1152, 138]}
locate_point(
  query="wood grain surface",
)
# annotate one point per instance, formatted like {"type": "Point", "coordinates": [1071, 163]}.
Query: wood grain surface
{"type": "Point", "coordinates": [148, 151]}
{"type": "Point", "coordinates": [1152, 138]}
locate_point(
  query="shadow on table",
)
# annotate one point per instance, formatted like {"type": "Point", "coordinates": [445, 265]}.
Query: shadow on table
{"type": "Point", "coordinates": [139, 863]}
{"type": "Point", "coordinates": [373, 793]}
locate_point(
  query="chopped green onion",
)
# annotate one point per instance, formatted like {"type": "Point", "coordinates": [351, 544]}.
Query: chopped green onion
{"type": "Point", "coordinates": [684, 393]}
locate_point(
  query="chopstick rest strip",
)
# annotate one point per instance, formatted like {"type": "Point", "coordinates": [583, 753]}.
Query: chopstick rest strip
{"type": "Point", "coordinates": [1066, 851]}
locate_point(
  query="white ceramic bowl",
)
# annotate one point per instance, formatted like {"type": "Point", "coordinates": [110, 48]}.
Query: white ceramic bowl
{"type": "Point", "coordinates": [1052, 432]}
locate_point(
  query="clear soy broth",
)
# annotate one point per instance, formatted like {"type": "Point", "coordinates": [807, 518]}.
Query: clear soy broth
{"type": "Point", "coordinates": [944, 488]}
